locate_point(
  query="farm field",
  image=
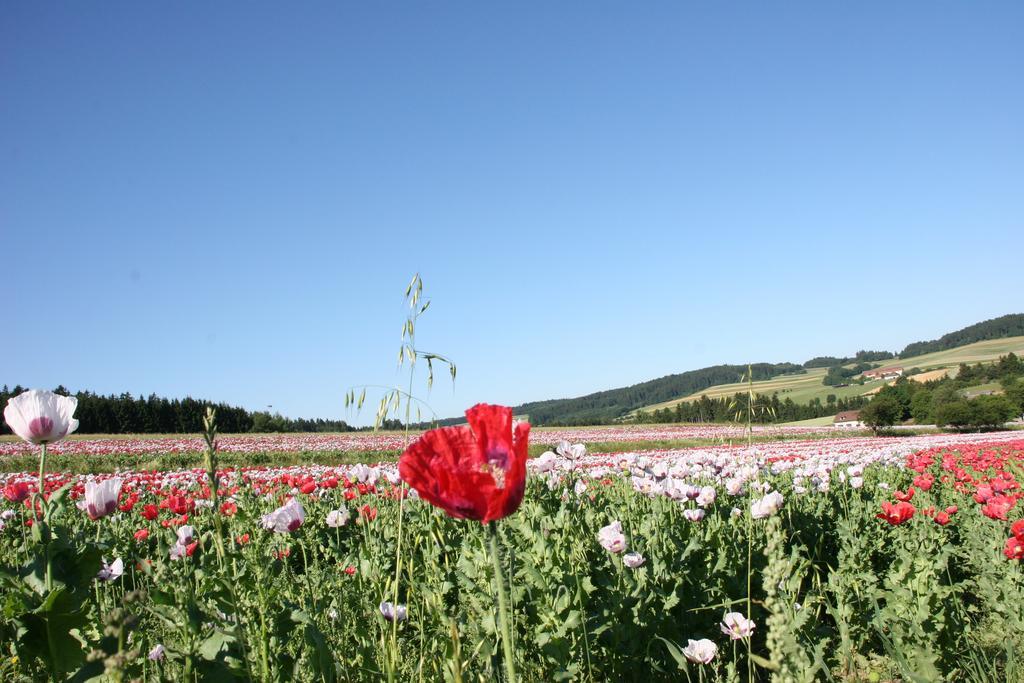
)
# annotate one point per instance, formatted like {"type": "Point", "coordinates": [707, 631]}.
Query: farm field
{"type": "Point", "coordinates": [824, 421]}
{"type": "Point", "coordinates": [931, 375]}
{"type": "Point", "coordinates": [806, 387]}
{"type": "Point", "coordinates": [99, 453]}
{"type": "Point", "coordinates": [808, 558]}
{"type": "Point", "coordinates": [979, 389]}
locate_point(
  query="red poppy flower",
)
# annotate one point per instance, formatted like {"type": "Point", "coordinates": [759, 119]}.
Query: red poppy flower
{"type": "Point", "coordinates": [904, 497]}
{"type": "Point", "coordinates": [942, 518]}
{"type": "Point", "coordinates": [180, 505]}
{"type": "Point", "coordinates": [17, 492]}
{"type": "Point", "coordinates": [1017, 529]}
{"type": "Point", "coordinates": [998, 507]}
{"type": "Point", "coordinates": [150, 512]}
{"type": "Point", "coordinates": [983, 494]}
{"type": "Point", "coordinates": [924, 481]}
{"type": "Point", "coordinates": [896, 513]}
{"type": "Point", "coordinates": [141, 534]}
{"type": "Point", "coordinates": [1014, 549]}
{"type": "Point", "coordinates": [475, 472]}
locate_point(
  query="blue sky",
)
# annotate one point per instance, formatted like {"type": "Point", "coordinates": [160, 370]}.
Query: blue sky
{"type": "Point", "coordinates": [227, 200]}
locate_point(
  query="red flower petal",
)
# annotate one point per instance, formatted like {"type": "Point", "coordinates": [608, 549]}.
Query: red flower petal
{"type": "Point", "coordinates": [475, 472]}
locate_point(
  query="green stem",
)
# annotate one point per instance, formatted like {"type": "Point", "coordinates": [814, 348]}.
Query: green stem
{"type": "Point", "coordinates": [42, 471]}
{"type": "Point", "coordinates": [41, 498]}
{"type": "Point", "coordinates": [401, 511]}
{"type": "Point", "coordinates": [243, 637]}
{"type": "Point", "coordinates": [264, 634]}
{"type": "Point", "coordinates": [750, 553]}
{"type": "Point", "coordinates": [46, 516]}
{"type": "Point", "coordinates": [398, 575]}
{"type": "Point", "coordinates": [499, 579]}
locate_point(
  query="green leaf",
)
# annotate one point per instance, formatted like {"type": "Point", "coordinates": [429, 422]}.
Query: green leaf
{"type": "Point", "coordinates": [217, 642]}
{"type": "Point", "coordinates": [674, 651]}
{"type": "Point", "coordinates": [321, 659]}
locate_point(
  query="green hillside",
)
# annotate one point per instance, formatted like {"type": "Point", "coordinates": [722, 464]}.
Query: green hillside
{"type": "Point", "coordinates": [805, 388]}
{"type": "Point", "coordinates": [606, 406]}
{"type": "Point", "coordinates": [997, 328]}
{"type": "Point", "coordinates": [801, 383]}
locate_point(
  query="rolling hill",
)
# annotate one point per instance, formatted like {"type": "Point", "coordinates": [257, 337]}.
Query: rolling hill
{"type": "Point", "coordinates": [805, 388]}
{"type": "Point", "coordinates": [980, 342]}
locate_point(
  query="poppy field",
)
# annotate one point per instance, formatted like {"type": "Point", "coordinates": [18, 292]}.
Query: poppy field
{"type": "Point", "coordinates": [385, 442]}
{"type": "Point", "coordinates": [841, 559]}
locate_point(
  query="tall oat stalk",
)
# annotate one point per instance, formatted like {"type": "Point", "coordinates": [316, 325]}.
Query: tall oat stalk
{"type": "Point", "coordinates": [750, 409]}
{"type": "Point", "coordinates": [391, 402]}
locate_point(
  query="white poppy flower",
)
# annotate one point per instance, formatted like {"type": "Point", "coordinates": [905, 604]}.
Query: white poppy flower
{"type": "Point", "coordinates": [41, 416]}
{"type": "Point", "coordinates": [186, 534]}
{"type": "Point", "coordinates": [694, 515]}
{"type": "Point", "coordinates": [707, 496]}
{"type": "Point", "coordinates": [611, 537]}
{"type": "Point", "coordinates": [767, 506]}
{"type": "Point", "coordinates": [736, 626]}
{"type": "Point", "coordinates": [394, 612]}
{"type": "Point", "coordinates": [101, 499]}
{"type": "Point", "coordinates": [337, 518]}
{"type": "Point", "coordinates": [111, 571]}
{"type": "Point", "coordinates": [700, 651]}
{"type": "Point", "coordinates": [546, 462]}
{"type": "Point", "coordinates": [286, 518]}
{"type": "Point", "coordinates": [633, 560]}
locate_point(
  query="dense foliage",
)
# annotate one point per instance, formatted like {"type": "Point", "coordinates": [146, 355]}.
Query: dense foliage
{"type": "Point", "coordinates": [126, 414]}
{"type": "Point", "coordinates": [997, 328]}
{"type": "Point", "coordinates": [825, 362]}
{"type": "Point", "coordinates": [981, 412]}
{"type": "Point", "coordinates": [766, 409]}
{"type": "Point", "coordinates": [871, 356]}
{"type": "Point", "coordinates": [943, 401]}
{"type": "Point", "coordinates": [859, 357]}
{"type": "Point", "coordinates": [884, 411]}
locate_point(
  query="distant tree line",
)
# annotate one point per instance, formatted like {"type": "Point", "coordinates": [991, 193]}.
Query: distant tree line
{"type": "Point", "coordinates": [942, 401]}
{"type": "Point", "coordinates": [859, 357]}
{"type": "Point", "coordinates": [998, 328]}
{"type": "Point", "coordinates": [126, 414]}
{"type": "Point", "coordinates": [766, 409]}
